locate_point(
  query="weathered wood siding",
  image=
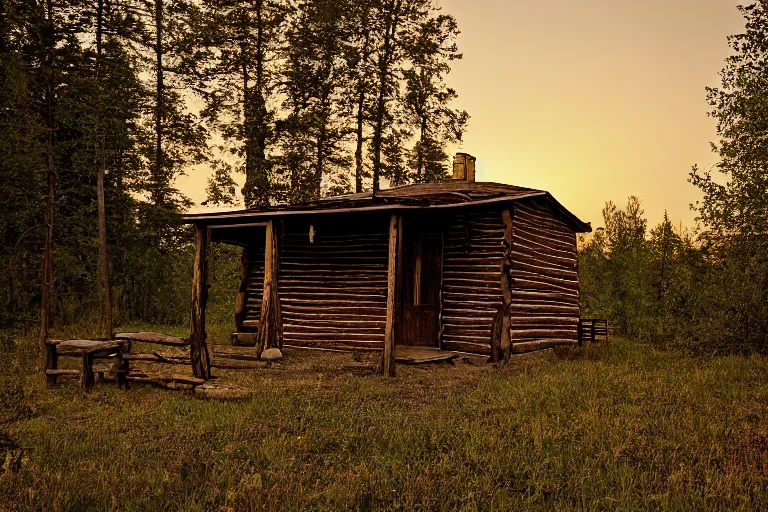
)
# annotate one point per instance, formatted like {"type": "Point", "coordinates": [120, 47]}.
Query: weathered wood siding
{"type": "Point", "coordinates": [471, 293]}
{"type": "Point", "coordinates": [545, 284]}
{"type": "Point", "coordinates": [255, 255]}
{"type": "Point", "coordinates": [333, 292]}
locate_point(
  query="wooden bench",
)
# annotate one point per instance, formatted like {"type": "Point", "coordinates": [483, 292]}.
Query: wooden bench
{"type": "Point", "coordinates": [87, 351]}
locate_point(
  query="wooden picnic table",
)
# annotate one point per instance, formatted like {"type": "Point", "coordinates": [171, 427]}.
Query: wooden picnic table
{"type": "Point", "coordinates": [88, 351]}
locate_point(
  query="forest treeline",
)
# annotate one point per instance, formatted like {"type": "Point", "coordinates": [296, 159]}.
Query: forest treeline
{"type": "Point", "coordinates": [704, 289]}
{"type": "Point", "coordinates": [104, 103]}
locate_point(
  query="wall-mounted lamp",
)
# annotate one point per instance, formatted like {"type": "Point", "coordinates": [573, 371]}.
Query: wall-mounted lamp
{"type": "Point", "coordinates": [311, 234]}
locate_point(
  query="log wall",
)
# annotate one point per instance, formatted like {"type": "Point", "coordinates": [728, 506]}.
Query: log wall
{"type": "Point", "coordinates": [333, 292]}
{"type": "Point", "coordinates": [471, 294]}
{"type": "Point", "coordinates": [544, 310]}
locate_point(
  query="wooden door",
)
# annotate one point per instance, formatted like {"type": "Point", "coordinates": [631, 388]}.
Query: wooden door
{"type": "Point", "coordinates": [423, 257]}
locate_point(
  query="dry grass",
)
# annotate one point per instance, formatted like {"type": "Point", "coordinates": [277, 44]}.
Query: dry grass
{"type": "Point", "coordinates": [624, 427]}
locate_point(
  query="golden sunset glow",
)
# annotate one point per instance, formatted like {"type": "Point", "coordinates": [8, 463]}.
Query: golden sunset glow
{"type": "Point", "coordinates": [590, 100]}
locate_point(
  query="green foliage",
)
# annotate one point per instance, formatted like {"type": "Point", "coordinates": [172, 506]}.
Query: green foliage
{"type": "Point", "coordinates": [734, 209]}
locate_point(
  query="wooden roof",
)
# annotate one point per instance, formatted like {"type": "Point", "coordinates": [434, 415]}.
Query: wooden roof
{"type": "Point", "coordinates": [451, 194]}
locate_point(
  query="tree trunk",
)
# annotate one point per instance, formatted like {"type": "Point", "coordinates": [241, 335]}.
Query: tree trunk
{"type": "Point", "coordinates": [359, 143]}
{"type": "Point", "coordinates": [420, 154]}
{"type": "Point", "coordinates": [256, 189]}
{"type": "Point", "coordinates": [106, 287]}
{"type": "Point", "coordinates": [50, 121]}
{"type": "Point", "coordinates": [158, 187]}
{"type": "Point", "coordinates": [390, 33]}
{"type": "Point", "coordinates": [360, 118]}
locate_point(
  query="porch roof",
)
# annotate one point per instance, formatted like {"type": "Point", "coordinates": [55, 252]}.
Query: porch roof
{"type": "Point", "coordinates": [451, 194]}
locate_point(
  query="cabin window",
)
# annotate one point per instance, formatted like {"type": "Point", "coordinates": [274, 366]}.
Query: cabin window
{"type": "Point", "coordinates": [426, 266]}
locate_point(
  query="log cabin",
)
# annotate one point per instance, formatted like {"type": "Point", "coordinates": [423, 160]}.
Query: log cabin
{"type": "Point", "coordinates": [461, 266]}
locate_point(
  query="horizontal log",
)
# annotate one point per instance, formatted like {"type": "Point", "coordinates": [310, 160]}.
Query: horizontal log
{"type": "Point", "coordinates": [159, 379]}
{"type": "Point", "coordinates": [530, 346]}
{"type": "Point", "coordinates": [326, 315]}
{"type": "Point", "coordinates": [321, 275]}
{"type": "Point", "coordinates": [334, 328]}
{"type": "Point", "coordinates": [347, 336]}
{"type": "Point", "coordinates": [372, 295]}
{"type": "Point", "coordinates": [467, 338]}
{"type": "Point", "coordinates": [549, 308]}
{"type": "Point", "coordinates": [347, 310]}
{"type": "Point", "coordinates": [467, 330]}
{"type": "Point", "coordinates": [544, 333]}
{"type": "Point", "coordinates": [489, 288]}
{"type": "Point", "coordinates": [545, 270]}
{"type": "Point", "coordinates": [153, 337]}
{"type": "Point", "coordinates": [313, 251]}
{"type": "Point", "coordinates": [529, 320]}
{"type": "Point", "coordinates": [558, 232]}
{"type": "Point", "coordinates": [335, 345]}
{"type": "Point", "coordinates": [471, 348]}
{"type": "Point", "coordinates": [525, 281]}
{"type": "Point", "coordinates": [158, 358]}
{"type": "Point", "coordinates": [464, 320]}
{"type": "Point", "coordinates": [331, 266]}
{"type": "Point", "coordinates": [291, 283]}
{"type": "Point", "coordinates": [331, 301]}
{"type": "Point", "coordinates": [526, 254]}
{"type": "Point", "coordinates": [548, 243]}
{"type": "Point", "coordinates": [63, 372]}
{"type": "Point", "coordinates": [543, 295]}
{"type": "Point", "coordinates": [522, 242]}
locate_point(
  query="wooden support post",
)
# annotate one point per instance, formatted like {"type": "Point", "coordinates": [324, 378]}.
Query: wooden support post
{"type": "Point", "coordinates": [505, 344]}
{"type": "Point", "coordinates": [123, 365]}
{"type": "Point", "coordinates": [87, 378]}
{"type": "Point", "coordinates": [270, 333]}
{"type": "Point", "coordinates": [394, 287]}
{"type": "Point", "coordinates": [51, 363]}
{"type": "Point", "coordinates": [201, 364]}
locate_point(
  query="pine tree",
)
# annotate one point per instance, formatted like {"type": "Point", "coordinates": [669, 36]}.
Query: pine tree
{"type": "Point", "coordinates": [315, 75]}
{"type": "Point", "coordinates": [241, 79]}
{"type": "Point", "coordinates": [427, 97]}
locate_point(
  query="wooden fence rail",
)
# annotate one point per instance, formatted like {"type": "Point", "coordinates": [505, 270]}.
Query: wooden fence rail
{"type": "Point", "coordinates": [593, 330]}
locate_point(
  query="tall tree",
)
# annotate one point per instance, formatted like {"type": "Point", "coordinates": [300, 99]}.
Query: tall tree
{"type": "Point", "coordinates": [427, 97]}
{"type": "Point", "coordinates": [106, 284]}
{"type": "Point", "coordinates": [315, 76]}
{"type": "Point", "coordinates": [244, 38]}
{"type": "Point", "coordinates": [361, 77]}
{"type": "Point", "coordinates": [740, 106]}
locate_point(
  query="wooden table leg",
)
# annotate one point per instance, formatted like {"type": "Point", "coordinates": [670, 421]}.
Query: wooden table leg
{"type": "Point", "coordinates": [87, 377]}
{"type": "Point", "coordinates": [122, 367]}
{"type": "Point", "coordinates": [51, 363]}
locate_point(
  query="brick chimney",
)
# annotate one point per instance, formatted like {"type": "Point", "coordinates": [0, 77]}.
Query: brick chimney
{"type": "Point", "coordinates": [464, 167]}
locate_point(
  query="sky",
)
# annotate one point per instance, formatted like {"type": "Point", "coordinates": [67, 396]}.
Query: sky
{"type": "Point", "coordinates": [592, 100]}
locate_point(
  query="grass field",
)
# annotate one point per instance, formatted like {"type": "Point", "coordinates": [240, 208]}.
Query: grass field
{"type": "Point", "coordinates": [617, 427]}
